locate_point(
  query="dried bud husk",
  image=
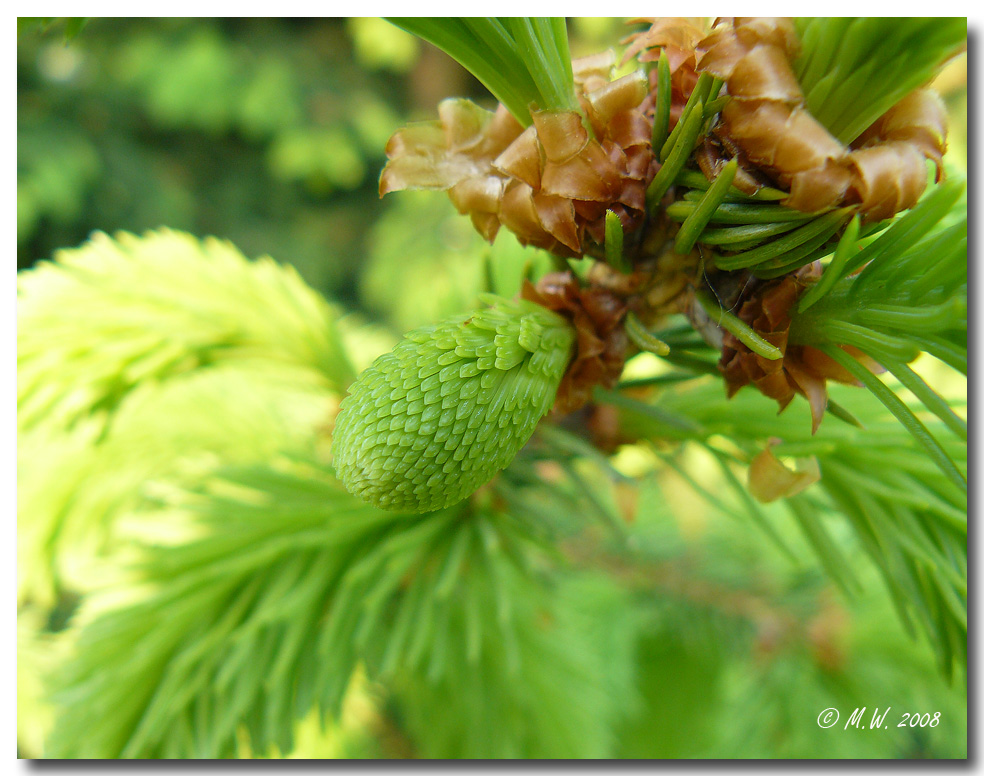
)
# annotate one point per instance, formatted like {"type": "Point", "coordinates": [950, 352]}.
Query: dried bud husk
{"type": "Point", "coordinates": [767, 120]}
{"type": "Point", "coordinates": [596, 314]}
{"type": "Point", "coordinates": [550, 184]}
{"type": "Point", "coordinates": [770, 479]}
{"type": "Point", "coordinates": [802, 369]}
{"type": "Point", "coordinates": [454, 154]}
{"type": "Point", "coordinates": [434, 419]}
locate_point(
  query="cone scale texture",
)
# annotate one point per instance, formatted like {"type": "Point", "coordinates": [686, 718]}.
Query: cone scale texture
{"type": "Point", "coordinates": [434, 419]}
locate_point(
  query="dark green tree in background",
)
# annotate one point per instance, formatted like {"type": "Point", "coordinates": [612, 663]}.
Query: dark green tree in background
{"type": "Point", "coordinates": [663, 241]}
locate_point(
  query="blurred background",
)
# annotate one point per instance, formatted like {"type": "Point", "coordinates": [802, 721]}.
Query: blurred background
{"type": "Point", "coordinates": [271, 133]}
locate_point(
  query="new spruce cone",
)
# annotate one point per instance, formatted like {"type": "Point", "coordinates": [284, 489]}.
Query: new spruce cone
{"type": "Point", "coordinates": [434, 419]}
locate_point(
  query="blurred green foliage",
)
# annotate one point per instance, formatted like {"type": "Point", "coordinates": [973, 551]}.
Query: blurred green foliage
{"type": "Point", "coordinates": [266, 132]}
{"type": "Point", "coordinates": [270, 134]}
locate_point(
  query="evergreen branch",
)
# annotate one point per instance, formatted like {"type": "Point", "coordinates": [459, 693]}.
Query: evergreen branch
{"type": "Point", "coordinates": [286, 583]}
{"type": "Point", "coordinates": [853, 70]}
{"type": "Point", "coordinates": [642, 338]}
{"type": "Point", "coordinates": [902, 412]}
{"type": "Point", "coordinates": [119, 312]}
{"type": "Point", "coordinates": [694, 106]}
{"type": "Point", "coordinates": [930, 399]}
{"type": "Point", "coordinates": [280, 583]}
{"type": "Point", "coordinates": [614, 241]}
{"type": "Point", "coordinates": [890, 311]}
{"type": "Point", "coordinates": [502, 72]}
{"type": "Point", "coordinates": [524, 61]}
{"type": "Point", "coordinates": [236, 413]}
{"type": "Point", "coordinates": [920, 547]}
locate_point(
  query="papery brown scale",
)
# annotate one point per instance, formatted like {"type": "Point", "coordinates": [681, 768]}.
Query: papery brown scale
{"type": "Point", "coordinates": [594, 70]}
{"type": "Point", "coordinates": [887, 178]}
{"type": "Point", "coordinates": [811, 386]}
{"type": "Point", "coordinates": [486, 224]}
{"type": "Point", "coordinates": [442, 154]}
{"type": "Point", "coordinates": [633, 195]}
{"type": "Point", "coordinates": [575, 179]}
{"type": "Point", "coordinates": [677, 35]}
{"type": "Point", "coordinates": [561, 134]}
{"type": "Point", "coordinates": [502, 130]}
{"type": "Point", "coordinates": [763, 74]}
{"type": "Point", "coordinates": [820, 363]}
{"type": "Point", "coordinates": [556, 214]}
{"type": "Point", "coordinates": [641, 164]}
{"type": "Point", "coordinates": [630, 129]}
{"type": "Point", "coordinates": [521, 160]}
{"type": "Point", "coordinates": [819, 188]}
{"type": "Point", "coordinates": [412, 138]}
{"type": "Point", "coordinates": [551, 183]}
{"type": "Point", "coordinates": [477, 194]}
{"type": "Point", "coordinates": [588, 211]}
{"type": "Point", "coordinates": [769, 479]}
{"type": "Point", "coordinates": [711, 159]}
{"type": "Point", "coordinates": [720, 52]}
{"type": "Point", "coordinates": [768, 120]}
{"type": "Point", "coordinates": [776, 386]}
{"type": "Point", "coordinates": [617, 97]}
{"type": "Point", "coordinates": [518, 213]}
{"type": "Point", "coordinates": [918, 119]}
{"type": "Point", "coordinates": [463, 123]}
{"type": "Point", "coordinates": [776, 31]}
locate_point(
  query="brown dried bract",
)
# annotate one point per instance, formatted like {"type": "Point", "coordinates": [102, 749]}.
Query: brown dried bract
{"type": "Point", "coordinates": [550, 184]}
{"type": "Point", "coordinates": [802, 369]}
{"type": "Point", "coordinates": [768, 121]}
{"type": "Point", "coordinates": [454, 154]}
{"type": "Point", "coordinates": [601, 345]}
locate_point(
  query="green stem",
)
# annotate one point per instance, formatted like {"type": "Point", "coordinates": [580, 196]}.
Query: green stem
{"type": "Point", "coordinates": [930, 399]}
{"type": "Point", "coordinates": [541, 66]}
{"type": "Point", "coordinates": [674, 163]}
{"type": "Point", "coordinates": [695, 105]}
{"type": "Point", "coordinates": [925, 319]}
{"type": "Point", "coordinates": [874, 343]}
{"type": "Point", "coordinates": [661, 120]}
{"type": "Point", "coordinates": [835, 270]}
{"type": "Point", "coordinates": [776, 249]}
{"type": "Point", "coordinates": [739, 213]}
{"type": "Point", "coordinates": [643, 338]}
{"type": "Point", "coordinates": [614, 240]}
{"type": "Point", "coordinates": [695, 223]}
{"type": "Point", "coordinates": [738, 237]}
{"type": "Point", "coordinates": [696, 180]}
{"type": "Point", "coordinates": [738, 328]}
{"type": "Point", "coordinates": [911, 227]}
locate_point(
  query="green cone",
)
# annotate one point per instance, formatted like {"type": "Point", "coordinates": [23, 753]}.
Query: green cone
{"type": "Point", "coordinates": [451, 405]}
